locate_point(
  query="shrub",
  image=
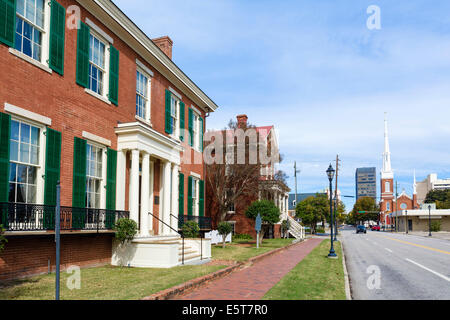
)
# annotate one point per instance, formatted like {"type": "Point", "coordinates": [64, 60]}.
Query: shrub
{"type": "Point", "coordinates": [3, 240]}
{"type": "Point", "coordinates": [243, 236]}
{"type": "Point", "coordinates": [224, 229]}
{"type": "Point", "coordinates": [125, 229]}
{"type": "Point", "coordinates": [436, 226]}
{"type": "Point", "coordinates": [320, 230]}
{"type": "Point", "coordinates": [190, 229]}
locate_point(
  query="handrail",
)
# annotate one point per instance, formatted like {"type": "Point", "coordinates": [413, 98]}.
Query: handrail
{"type": "Point", "coordinates": [182, 235]}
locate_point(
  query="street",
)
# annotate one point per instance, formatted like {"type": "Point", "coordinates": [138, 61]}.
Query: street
{"type": "Point", "coordinates": [387, 266]}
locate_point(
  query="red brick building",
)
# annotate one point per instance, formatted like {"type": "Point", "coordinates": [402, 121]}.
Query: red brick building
{"type": "Point", "coordinates": [87, 99]}
{"type": "Point", "coordinates": [268, 188]}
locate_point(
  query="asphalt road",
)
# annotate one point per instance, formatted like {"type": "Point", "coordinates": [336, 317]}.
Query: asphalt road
{"type": "Point", "coordinates": [389, 266]}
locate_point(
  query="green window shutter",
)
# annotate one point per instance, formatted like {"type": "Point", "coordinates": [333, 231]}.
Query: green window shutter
{"type": "Point", "coordinates": [111, 179]}
{"type": "Point", "coordinates": [201, 211]}
{"type": "Point", "coordinates": [167, 120]}
{"type": "Point", "coordinates": [57, 34]}
{"type": "Point", "coordinates": [181, 195]}
{"type": "Point", "coordinates": [52, 175]}
{"type": "Point", "coordinates": [182, 120]}
{"type": "Point", "coordinates": [191, 127]}
{"type": "Point", "coordinates": [5, 132]}
{"type": "Point", "coordinates": [8, 22]}
{"type": "Point", "coordinates": [190, 200]}
{"type": "Point", "coordinates": [79, 174]}
{"type": "Point", "coordinates": [111, 188]}
{"type": "Point", "coordinates": [83, 55]}
{"type": "Point", "coordinates": [114, 76]}
{"type": "Point", "coordinates": [201, 134]}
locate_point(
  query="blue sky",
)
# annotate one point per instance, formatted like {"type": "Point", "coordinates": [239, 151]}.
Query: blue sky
{"type": "Point", "coordinates": [315, 71]}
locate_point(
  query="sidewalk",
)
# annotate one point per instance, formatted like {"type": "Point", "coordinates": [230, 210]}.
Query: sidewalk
{"type": "Point", "coordinates": [252, 283]}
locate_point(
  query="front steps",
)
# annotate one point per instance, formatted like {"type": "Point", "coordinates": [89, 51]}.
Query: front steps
{"type": "Point", "coordinates": [296, 230]}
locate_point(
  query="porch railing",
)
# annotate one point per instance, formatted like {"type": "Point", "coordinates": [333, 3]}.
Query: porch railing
{"type": "Point", "coordinates": [203, 222]}
{"type": "Point", "coordinates": [33, 217]}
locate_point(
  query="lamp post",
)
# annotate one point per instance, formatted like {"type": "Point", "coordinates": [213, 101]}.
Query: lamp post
{"type": "Point", "coordinates": [429, 220]}
{"type": "Point", "coordinates": [330, 173]}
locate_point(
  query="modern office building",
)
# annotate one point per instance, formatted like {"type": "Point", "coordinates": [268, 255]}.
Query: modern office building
{"type": "Point", "coordinates": [366, 183]}
{"type": "Point", "coordinates": [431, 183]}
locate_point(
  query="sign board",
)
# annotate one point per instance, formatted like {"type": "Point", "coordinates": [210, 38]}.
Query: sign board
{"type": "Point", "coordinates": [258, 223]}
{"type": "Point", "coordinates": [216, 237]}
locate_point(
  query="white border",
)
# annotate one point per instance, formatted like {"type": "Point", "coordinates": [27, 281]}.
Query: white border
{"type": "Point", "coordinates": [144, 68]}
{"type": "Point", "coordinates": [95, 138]}
{"type": "Point", "coordinates": [175, 93]}
{"type": "Point", "coordinates": [27, 114]}
{"type": "Point", "coordinates": [100, 31]}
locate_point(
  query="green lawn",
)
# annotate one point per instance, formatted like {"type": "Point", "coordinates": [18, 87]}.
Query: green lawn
{"type": "Point", "coordinates": [315, 278]}
{"type": "Point", "coordinates": [105, 283]}
{"type": "Point", "coordinates": [242, 250]}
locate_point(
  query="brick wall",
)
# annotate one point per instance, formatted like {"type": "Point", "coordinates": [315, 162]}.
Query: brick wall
{"type": "Point", "coordinates": [29, 255]}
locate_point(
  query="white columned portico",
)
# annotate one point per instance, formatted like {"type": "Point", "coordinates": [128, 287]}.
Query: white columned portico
{"type": "Point", "coordinates": [166, 197]}
{"type": "Point", "coordinates": [145, 194]}
{"type": "Point", "coordinates": [121, 178]}
{"type": "Point", "coordinates": [175, 191]}
{"type": "Point", "coordinates": [134, 186]}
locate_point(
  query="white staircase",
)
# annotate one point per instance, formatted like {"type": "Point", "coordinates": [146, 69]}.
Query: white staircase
{"type": "Point", "coordinates": [296, 229]}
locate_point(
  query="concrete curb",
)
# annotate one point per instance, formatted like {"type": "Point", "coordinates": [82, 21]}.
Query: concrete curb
{"type": "Point", "coordinates": [201, 281]}
{"type": "Point", "coordinates": [347, 280]}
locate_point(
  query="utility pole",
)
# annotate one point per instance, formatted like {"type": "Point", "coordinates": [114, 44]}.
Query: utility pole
{"type": "Point", "coordinates": [396, 207]}
{"type": "Point", "coordinates": [295, 175]}
{"type": "Point", "coordinates": [336, 197]}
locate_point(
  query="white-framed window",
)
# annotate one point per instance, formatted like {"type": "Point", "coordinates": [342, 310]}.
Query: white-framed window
{"type": "Point", "coordinates": [25, 162]}
{"type": "Point", "coordinates": [97, 65]}
{"type": "Point", "coordinates": [387, 187]}
{"type": "Point", "coordinates": [143, 84]}
{"type": "Point", "coordinates": [195, 196]}
{"type": "Point", "coordinates": [94, 175]}
{"type": "Point", "coordinates": [31, 22]}
{"type": "Point", "coordinates": [231, 207]}
{"type": "Point", "coordinates": [388, 206]}
{"type": "Point", "coordinates": [233, 227]}
{"type": "Point", "coordinates": [174, 116]}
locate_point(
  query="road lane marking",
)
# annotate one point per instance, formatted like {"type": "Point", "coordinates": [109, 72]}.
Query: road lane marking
{"type": "Point", "coordinates": [432, 271]}
{"type": "Point", "coordinates": [418, 245]}
{"type": "Point", "coordinates": [389, 250]}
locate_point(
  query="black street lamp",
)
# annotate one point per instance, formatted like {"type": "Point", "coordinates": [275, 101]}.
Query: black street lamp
{"type": "Point", "coordinates": [429, 220]}
{"type": "Point", "coordinates": [330, 173]}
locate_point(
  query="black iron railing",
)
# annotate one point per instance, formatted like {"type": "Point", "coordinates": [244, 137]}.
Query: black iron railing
{"type": "Point", "coordinates": [203, 222]}
{"type": "Point", "coordinates": [33, 217]}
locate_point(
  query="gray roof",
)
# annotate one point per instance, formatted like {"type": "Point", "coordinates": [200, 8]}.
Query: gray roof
{"type": "Point", "coordinates": [300, 197]}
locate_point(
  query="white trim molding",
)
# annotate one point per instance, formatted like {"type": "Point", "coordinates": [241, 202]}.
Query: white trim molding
{"type": "Point", "coordinates": [36, 63]}
{"type": "Point", "coordinates": [99, 31]}
{"type": "Point", "coordinates": [144, 68]}
{"type": "Point", "coordinates": [9, 108]}
{"type": "Point", "coordinates": [195, 175]}
{"type": "Point", "coordinates": [95, 138]}
{"type": "Point", "coordinates": [175, 93]}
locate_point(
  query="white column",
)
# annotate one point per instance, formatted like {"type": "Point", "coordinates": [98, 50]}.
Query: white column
{"type": "Point", "coordinates": [174, 211]}
{"type": "Point", "coordinates": [121, 177]}
{"type": "Point", "coordinates": [151, 195]}
{"type": "Point", "coordinates": [134, 186]}
{"type": "Point", "coordinates": [166, 197]}
{"type": "Point", "coordinates": [145, 194]}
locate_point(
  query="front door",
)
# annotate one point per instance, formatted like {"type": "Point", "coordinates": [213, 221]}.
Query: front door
{"type": "Point", "coordinates": [410, 225]}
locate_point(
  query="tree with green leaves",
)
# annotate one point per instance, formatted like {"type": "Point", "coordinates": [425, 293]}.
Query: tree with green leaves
{"type": "Point", "coordinates": [440, 197]}
{"type": "Point", "coordinates": [224, 229]}
{"type": "Point", "coordinates": [366, 209]}
{"type": "Point", "coordinates": [313, 210]}
{"type": "Point", "coordinates": [270, 213]}
{"type": "Point", "coordinates": [3, 240]}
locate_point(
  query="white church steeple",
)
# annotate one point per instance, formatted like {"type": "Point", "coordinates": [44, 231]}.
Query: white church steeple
{"type": "Point", "coordinates": [386, 171]}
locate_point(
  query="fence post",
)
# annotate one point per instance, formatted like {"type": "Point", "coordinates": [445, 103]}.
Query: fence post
{"type": "Point", "coordinates": [57, 237]}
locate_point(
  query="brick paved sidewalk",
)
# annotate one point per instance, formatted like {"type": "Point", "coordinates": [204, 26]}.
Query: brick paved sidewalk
{"type": "Point", "coordinates": [253, 282]}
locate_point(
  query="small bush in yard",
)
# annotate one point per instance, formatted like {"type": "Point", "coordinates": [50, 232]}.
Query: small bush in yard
{"type": "Point", "coordinates": [320, 230]}
{"type": "Point", "coordinates": [224, 229]}
{"type": "Point", "coordinates": [2, 238]}
{"type": "Point", "coordinates": [191, 229]}
{"type": "Point", "coordinates": [243, 236]}
{"type": "Point", "coordinates": [436, 226]}
{"type": "Point", "coordinates": [125, 229]}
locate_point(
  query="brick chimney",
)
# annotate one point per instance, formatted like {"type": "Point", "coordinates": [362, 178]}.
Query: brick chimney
{"type": "Point", "coordinates": [165, 44]}
{"type": "Point", "coordinates": [242, 120]}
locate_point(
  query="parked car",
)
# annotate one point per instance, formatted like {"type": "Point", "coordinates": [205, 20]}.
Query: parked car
{"type": "Point", "coordinates": [361, 229]}
{"type": "Point", "coordinates": [376, 228]}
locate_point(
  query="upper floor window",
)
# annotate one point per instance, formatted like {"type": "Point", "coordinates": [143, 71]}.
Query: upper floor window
{"type": "Point", "coordinates": [97, 70]}
{"type": "Point", "coordinates": [30, 27]}
{"type": "Point", "coordinates": [174, 118]}
{"type": "Point", "coordinates": [24, 162]}
{"type": "Point", "coordinates": [231, 207]}
{"type": "Point", "coordinates": [94, 176]}
{"type": "Point", "coordinates": [142, 96]}
{"type": "Point", "coordinates": [388, 206]}
{"type": "Point", "coordinates": [387, 187]}
{"type": "Point", "coordinates": [195, 196]}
